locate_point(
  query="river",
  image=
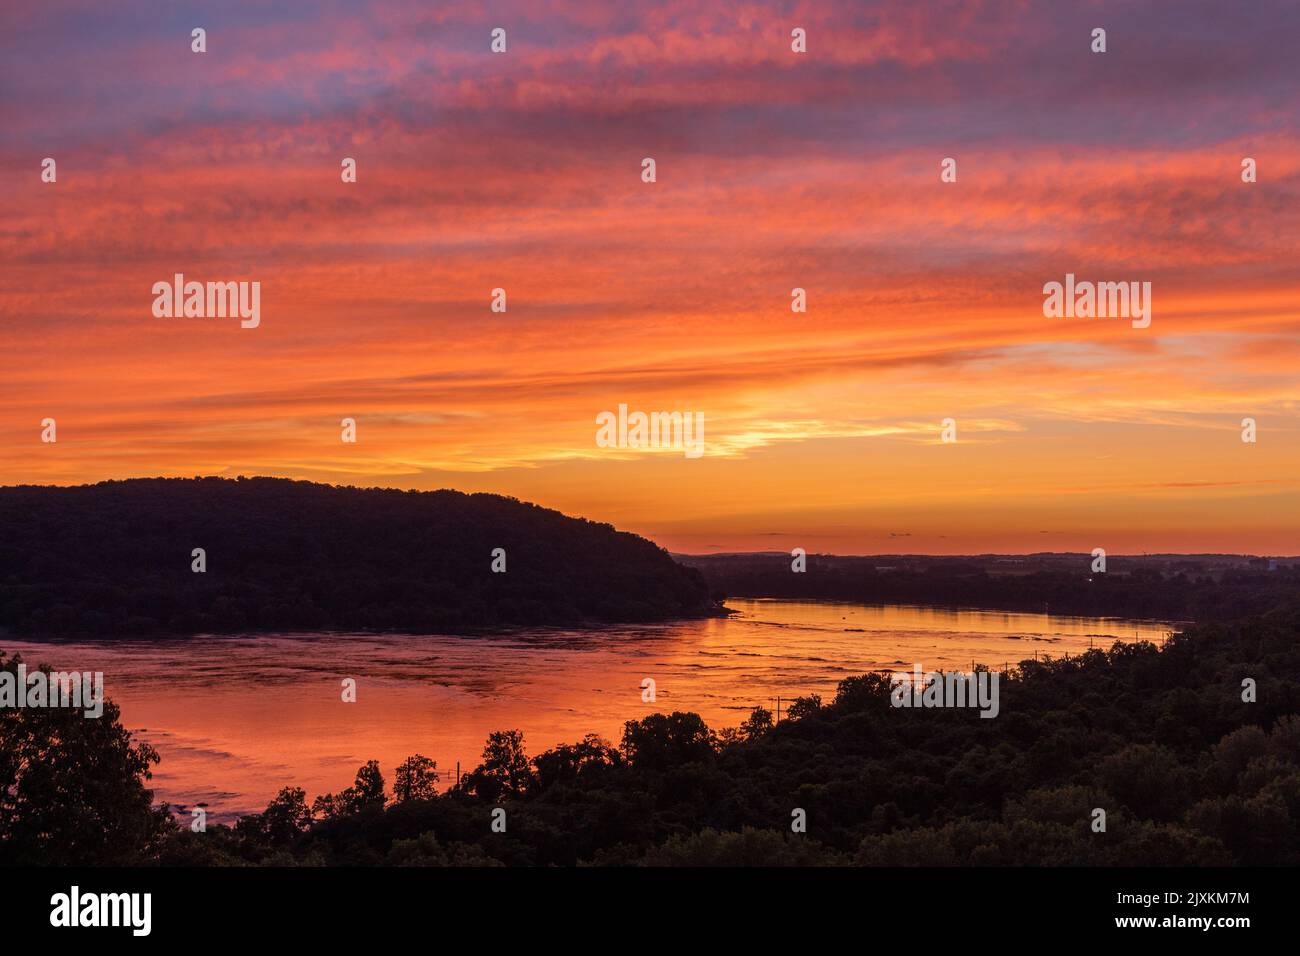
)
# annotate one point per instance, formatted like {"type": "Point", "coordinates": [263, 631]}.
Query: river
{"type": "Point", "coordinates": [236, 718]}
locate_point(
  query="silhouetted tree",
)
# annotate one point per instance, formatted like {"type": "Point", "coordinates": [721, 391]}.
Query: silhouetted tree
{"type": "Point", "coordinates": [366, 793]}
{"type": "Point", "coordinates": [416, 779]}
{"type": "Point", "coordinates": [759, 723]}
{"type": "Point", "coordinates": [658, 742]}
{"type": "Point", "coordinates": [505, 768]}
{"type": "Point", "coordinates": [285, 818]}
{"type": "Point", "coordinates": [802, 707]}
{"type": "Point", "coordinates": [72, 787]}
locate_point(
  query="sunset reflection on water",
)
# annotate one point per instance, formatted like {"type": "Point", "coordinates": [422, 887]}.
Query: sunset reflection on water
{"type": "Point", "coordinates": [237, 718]}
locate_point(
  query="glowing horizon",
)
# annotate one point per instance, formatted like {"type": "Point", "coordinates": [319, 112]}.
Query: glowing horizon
{"type": "Point", "coordinates": [775, 170]}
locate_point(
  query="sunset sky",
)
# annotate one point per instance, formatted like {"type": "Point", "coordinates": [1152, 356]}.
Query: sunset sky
{"type": "Point", "coordinates": [775, 170]}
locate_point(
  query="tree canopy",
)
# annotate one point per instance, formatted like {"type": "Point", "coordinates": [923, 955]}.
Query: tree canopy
{"type": "Point", "coordinates": [115, 559]}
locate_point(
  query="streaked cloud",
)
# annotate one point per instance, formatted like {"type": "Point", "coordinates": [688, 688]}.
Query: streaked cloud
{"type": "Point", "coordinates": [521, 171]}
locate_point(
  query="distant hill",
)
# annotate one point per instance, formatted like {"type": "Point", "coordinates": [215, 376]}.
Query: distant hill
{"type": "Point", "coordinates": [114, 559]}
{"type": "Point", "coordinates": [1168, 587]}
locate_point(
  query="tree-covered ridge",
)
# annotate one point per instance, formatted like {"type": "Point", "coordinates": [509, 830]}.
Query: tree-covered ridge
{"type": "Point", "coordinates": [1163, 587]}
{"type": "Point", "coordinates": [115, 559]}
{"type": "Point", "coordinates": [1160, 738]}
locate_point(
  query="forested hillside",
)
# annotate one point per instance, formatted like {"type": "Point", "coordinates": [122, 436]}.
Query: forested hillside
{"type": "Point", "coordinates": [115, 558]}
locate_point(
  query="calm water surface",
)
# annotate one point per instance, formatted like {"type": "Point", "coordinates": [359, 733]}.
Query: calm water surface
{"type": "Point", "coordinates": [237, 718]}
